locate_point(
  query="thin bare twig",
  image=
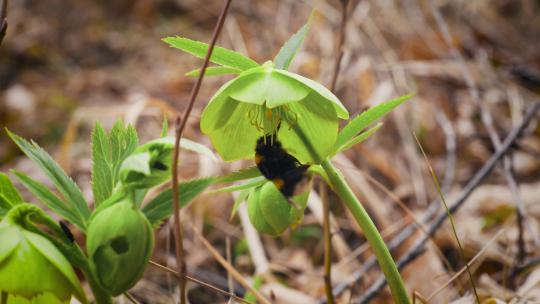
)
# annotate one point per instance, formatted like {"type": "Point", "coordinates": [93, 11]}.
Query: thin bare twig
{"type": "Point", "coordinates": [202, 283]}
{"type": "Point", "coordinates": [230, 283]}
{"type": "Point", "coordinates": [418, 247]}
{"type": "Point", "coordinates": [131, 298]}
{"type": "Point", "coordinates": [180, 126]}
{"type": "Point", "coordinates": [323, 193]}
{"type": "Point", "coordinates": [3, 20]}
{"type": "Point", "coordinates": [236, 275]}
{"type": "Point", "coordinates": [322, 186]}
{"type": "Point", "coordinates": [341, 41]}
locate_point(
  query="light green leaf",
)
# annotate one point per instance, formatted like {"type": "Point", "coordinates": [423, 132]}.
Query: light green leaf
{"type": "Point", "coordinates": [52, 201]}
{"type": "Point", "coordinates": [9, 192]}
{"type": "Point", "coordinates": [220, 55]}
{"type": "Point", "coordinates": [242, 174]}
{"type": "Point", "coordinates": [360, 138]}
{"type": "Point", "coordinates": [102, 177]}
{"type": "Point", "coordinates": [367, 117]}
{"type": "Point", "coordinates": [63, 183]}
{"type": "Point", "coordinates": [123, 142]}
{"type": "Point", "coordinates": [214, 71]}
{"type": "Point", "coordinates": [239, 199]}
{"type": "Point", "coordinates": [108, 152]}
{"type": "Point", "coordinates": [287, 52]}
{"type": "Point", "coordinates": [253, 183]}
{"type": "Point", "coordinates": [161, 207]}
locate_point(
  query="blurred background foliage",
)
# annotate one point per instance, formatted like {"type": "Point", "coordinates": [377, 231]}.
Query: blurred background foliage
{"type": "Point", "coordinates": [66, 64]}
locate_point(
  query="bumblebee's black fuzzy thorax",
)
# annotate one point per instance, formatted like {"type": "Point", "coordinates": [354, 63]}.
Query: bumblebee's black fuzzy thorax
{"type": "Point", "coordinates": [277, 165]}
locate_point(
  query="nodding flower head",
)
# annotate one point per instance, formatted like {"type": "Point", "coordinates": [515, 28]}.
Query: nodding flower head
{"type": "Point", "coordinates": [32, 269]}
{"type": "Point", "coordinates": [266, 100]}
{"type": "Point", "coordinates": [270, 212]}
{"type": "Point", "coordinates": [119, 244]}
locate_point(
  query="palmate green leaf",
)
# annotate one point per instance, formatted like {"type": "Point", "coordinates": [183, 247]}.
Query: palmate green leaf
{"type": "Point", "coordinates": [63, 183]}
{"type": "Point", "coordinates": [123, 142]}
{"type": "Point", "coordinates": [46, 196]}
{"type": "Point", "coordinates": [220, 55]}
{"type": "Point", "coordinates": [10, 194]}
{"type": "Point", "coordinates": [367, 117]}
{"type": "Point", "coordinates": [287, 52]}
{"type": "Point", "coordinates": [360, 138]}
{"type": "Point", "coordinates": [214, 71]}
{"type": "Point", "coordinates": [161, 207]}
{"type": "Point", "coordinates": [108, 152]}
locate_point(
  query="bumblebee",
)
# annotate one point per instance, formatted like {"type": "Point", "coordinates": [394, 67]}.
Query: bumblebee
{"type": "Point", "coordinates": [278, 166]}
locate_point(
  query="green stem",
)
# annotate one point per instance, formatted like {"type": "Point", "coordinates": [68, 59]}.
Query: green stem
{"type": "Point", "coordinates": [101, 296]}
{"type": "Point", "coordinates": [386, 262]}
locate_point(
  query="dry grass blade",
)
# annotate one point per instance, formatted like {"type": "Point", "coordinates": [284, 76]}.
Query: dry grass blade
{"type": "Point", "coordinates": [131, 298]}
{"type": "Point", "coordinates": [180, 126]}
{"type": "Point", "coordinates": [202, 283]}
{"type": "Point", "coordinates": [236, 275]}
{"type": "Point", "coordinates": [450, 217]}
{"type": "Point", "coordinates": [460, 272]}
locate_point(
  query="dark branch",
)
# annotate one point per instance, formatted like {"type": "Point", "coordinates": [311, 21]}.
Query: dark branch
{"type": "Point", "coordinates": [180, 126]}
{"type": "Point", "coordinates": [3, 20]}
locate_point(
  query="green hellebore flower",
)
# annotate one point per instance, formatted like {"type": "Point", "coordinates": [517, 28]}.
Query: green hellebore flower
{"type": "Point", "coordinates": [262, 98]}
{"type": "Point", "coordinates": [119, 244]}
{"type": "Point", "coordinates": [271, 213]}
{"type": "Point", "coordinates": [32, 269]}
{"type": "Point", "coordinates": [149, 165]}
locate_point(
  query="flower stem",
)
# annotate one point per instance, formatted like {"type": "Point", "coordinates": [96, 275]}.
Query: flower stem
{"type": "Point", "coordinates": [386, 262]}
{"type": "Point", "coordinates": [101, 296]}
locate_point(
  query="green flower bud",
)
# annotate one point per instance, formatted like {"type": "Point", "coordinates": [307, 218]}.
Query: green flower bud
{"type": "Point", "coordinates": [149, 165]}
{"type": "Point", "coordinates": [270, 212]}
{"type": "Point", "coordinates": [262, 98]}
{"type": "Point", "coordinates": [32, 269]}
{"type": "Point", "coordinates": [119, 244]}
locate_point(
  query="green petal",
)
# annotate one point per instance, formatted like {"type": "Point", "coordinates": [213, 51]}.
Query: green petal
{"type": "Point", "coordinates": [255, 213]}
{"type": "Point", "coordinates": [53, 255]}
{"type": "Point", "coordinates": [218, 110]}
{"type": "Point", "coordinates": [236, 140]}
{"type": "Point", "coordinates": [35, 274]}
{"type": "Point", "coordinates": [9, 239]}
{"type": "Point", "coordinates": [275, 207]}
{"type": "Point", "coordinates": [318, 123]}
{"type": "Point", "coordinates": [324, 93]}
{"type": "Point", "coordinates": [268, 86]}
